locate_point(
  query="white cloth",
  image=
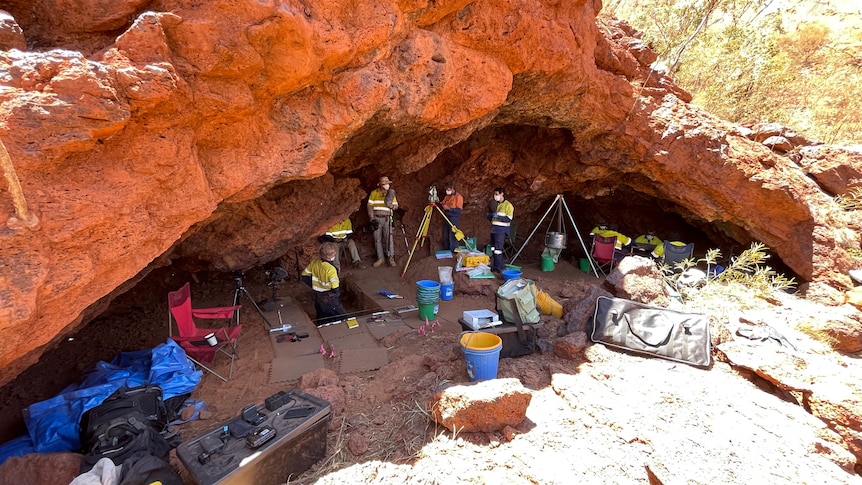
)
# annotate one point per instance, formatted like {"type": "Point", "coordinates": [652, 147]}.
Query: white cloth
{"type": "Point", "coordinates": [104, 472]}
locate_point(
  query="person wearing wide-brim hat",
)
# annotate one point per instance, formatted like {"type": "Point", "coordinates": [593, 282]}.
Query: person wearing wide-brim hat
{"type": "Point", "coordinates": [381, 203]}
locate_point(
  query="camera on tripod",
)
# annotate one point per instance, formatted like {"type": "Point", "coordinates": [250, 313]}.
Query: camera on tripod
{"type": "Point", "coordinates": [237, 278]}
{"type": "Point", "coordinates": [275, 275]}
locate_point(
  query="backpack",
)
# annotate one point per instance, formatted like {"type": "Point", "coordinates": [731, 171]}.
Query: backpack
{"type": "Point", "coordinates": [128, 421]}
{"type": "Point", "coordinates": [516, 301]}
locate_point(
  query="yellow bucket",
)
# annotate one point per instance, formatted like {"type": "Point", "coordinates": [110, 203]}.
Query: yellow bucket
{"type": "Point", "coordinates": [548, 306]}
{"type": "Point", "coordinates": [480, 340]}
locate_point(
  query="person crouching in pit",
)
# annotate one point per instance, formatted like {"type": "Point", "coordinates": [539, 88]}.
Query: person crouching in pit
{"type": "Point", "coordinates": [322, 277]}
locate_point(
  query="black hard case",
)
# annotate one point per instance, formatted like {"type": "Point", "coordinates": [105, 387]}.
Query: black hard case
{"type": "Point", "coordinates": [298, 444]}
{"type": "Point", "coordinates": [508, 333]}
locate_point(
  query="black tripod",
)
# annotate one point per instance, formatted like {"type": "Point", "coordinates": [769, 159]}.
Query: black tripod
{"type": "Point", "coordinates": [237, 295]}
{"type": "Point", "coordinates": [276, 276]}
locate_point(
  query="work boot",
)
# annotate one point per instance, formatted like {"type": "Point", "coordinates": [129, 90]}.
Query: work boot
{"type": "Point", "coordinates": [359, 264]}
{"type": "Point", "coordinates": [379, 263]}
{"type": "Point", "coordinates": [392, 261]}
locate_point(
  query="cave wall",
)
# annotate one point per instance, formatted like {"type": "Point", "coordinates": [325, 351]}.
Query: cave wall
{"type": "Point", "coordinates": [235, 131]}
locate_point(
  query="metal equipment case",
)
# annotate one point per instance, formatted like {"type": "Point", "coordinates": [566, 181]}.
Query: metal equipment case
{"type": "Point", "coordinates": [222, 455]}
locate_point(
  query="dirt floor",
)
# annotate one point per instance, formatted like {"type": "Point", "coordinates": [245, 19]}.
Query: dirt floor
{"type": "Point", "coordinates": [607, 417]}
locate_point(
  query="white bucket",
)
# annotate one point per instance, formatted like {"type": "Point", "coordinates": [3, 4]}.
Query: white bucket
{"type": "Point", "coordinates": [211, 339]}
{"type": "Point", "coordinates": [445, 274]}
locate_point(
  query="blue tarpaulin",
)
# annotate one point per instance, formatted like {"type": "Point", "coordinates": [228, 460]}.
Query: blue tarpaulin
{"type": "Point", "coordinates": [52, 425]}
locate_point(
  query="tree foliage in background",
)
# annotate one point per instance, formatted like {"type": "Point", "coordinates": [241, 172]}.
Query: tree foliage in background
{"type": "Point", "coordinates": [759, 60]}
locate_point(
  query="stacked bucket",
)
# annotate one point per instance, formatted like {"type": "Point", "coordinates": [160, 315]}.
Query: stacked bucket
{"type": "Point", "coordinates": [427, 296]}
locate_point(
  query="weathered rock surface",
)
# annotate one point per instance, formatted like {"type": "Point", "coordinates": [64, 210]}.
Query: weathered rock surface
{"type": "Point", "coordinates": [231, 133]}
{"type": "Point", "coordinates": [484, 406]}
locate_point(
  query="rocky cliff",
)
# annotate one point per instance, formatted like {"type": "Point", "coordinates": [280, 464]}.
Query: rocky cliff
{"type": "Point", "coordinates": [229, 132]}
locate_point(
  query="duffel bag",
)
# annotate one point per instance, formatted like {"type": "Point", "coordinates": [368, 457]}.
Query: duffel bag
{"type": "Point", "coordinates": [646, 329]}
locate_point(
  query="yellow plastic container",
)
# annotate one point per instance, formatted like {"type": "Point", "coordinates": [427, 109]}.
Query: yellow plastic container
{"type": "Point", "coordinates": [480, 340]}
{"type": "Point", "coordinates": [475, 260]}
{"type": "Point", "coordinates": [548, 306]}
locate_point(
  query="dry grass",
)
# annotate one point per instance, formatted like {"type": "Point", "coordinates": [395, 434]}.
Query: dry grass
{"type": "Point", "coordinates": [746, 280]}
{"type": "Point", "coordinates": [851, 201]}
{"type": "Point", "coordinates": [410, 429]}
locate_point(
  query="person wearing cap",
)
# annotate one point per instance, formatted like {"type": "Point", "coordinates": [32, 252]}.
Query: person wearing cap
{"type": "Point", "coordinates": [500, 213]}
{"type": "Point", "coordinates": [452, 205]}
{"type": "Point", "coordinates": [322, 276]}
{"type": "Point", "coordinates": [381, 203]}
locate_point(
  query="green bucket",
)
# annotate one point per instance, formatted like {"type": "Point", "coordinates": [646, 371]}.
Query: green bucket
{"type": "Point", "coordinates": [584, 264]}
{"type": "Point", "coordinates": [427, 310]}
{"type": "Point", "coordinates": [547, 263]}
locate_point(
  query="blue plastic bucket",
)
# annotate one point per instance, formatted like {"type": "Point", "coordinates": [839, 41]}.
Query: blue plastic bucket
{"type": "Point", "coordinates": [482, 353]}
{"type": "Point", "coordinates": [427, 291]}
{"type": "Point", "coordinates": [511, 274]}
{"type": "Point", "coordinates": [447, 291]}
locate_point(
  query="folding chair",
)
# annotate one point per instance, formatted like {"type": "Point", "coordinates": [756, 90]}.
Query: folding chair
{"type": "Point", "coordinates": [509, 243]}
{"type": "Point", "coordinates": [193, 340]}
{"type": "Point", "coordinates": [603, 251]}
{"type": "Point", "coordinates": [674, 254]}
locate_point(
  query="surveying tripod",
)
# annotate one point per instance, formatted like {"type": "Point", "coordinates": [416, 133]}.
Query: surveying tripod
{"type": "Point", "coordinates": [237, 295]}
{"type": "Point", "coordinates": [422, 233]}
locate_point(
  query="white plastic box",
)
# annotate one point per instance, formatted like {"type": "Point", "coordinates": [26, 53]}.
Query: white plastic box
{"type": "Point", "coordinates": [478, 319]}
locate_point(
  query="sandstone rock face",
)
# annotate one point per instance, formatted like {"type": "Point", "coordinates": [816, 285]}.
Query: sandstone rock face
{"type": "Point", "coordinates": [234, 132]}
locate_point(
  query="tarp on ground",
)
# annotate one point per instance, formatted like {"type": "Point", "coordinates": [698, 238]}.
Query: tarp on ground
{"type": "Point", "coordinates": [52, 425]}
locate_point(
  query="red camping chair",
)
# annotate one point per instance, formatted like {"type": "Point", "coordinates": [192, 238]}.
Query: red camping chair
{"type": "Point", "coordinates": [603, 251]}
{"type": "Point", "coordinates": [193, 339]}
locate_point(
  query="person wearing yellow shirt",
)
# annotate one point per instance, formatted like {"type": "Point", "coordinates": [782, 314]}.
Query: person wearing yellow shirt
{"type": "Point", "coordinates": [646, 243]}
{"type": "Point", "coordinates": [501, 212]}
{"type": "Point", "coordinates": [342, 234]}
{"type": "Point", "coordinates": [611, 230]}
{"type": "Point", "coordinates": [322, 277]}
{"type": "Point", "coordinates": [381, 203]}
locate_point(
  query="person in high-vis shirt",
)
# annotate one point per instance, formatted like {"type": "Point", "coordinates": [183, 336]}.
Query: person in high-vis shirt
{"type": "Point", "coordinates": [501, 212]}
{"type": "Point", "coordinates": [322, 276]}
{"type": "Point", "coordinates": [381, 203]}
{"type": "Point", "coordinates": [342, 234]}
{"type": "Point", "coordinates": [646, 243]}
{"type": "Point", "coordinates": [611, 230]}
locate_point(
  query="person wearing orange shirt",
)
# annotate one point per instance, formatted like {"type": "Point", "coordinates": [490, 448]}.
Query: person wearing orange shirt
{"type": "Point", "coordinates": [452, 206]}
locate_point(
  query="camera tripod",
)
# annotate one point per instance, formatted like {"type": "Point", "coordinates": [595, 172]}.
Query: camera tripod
{"type": "Point", "coordinates": [422, 233]}
{"type": "Point", "coordinates": [276, 276]}
{"type": "Point", "coordinates": [237, 295]}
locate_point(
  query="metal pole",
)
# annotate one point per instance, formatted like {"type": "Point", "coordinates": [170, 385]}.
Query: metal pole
{"type": "Point", "coordinates": [583, 246]}
{"type": "Point", "coordinates": [556, 200]}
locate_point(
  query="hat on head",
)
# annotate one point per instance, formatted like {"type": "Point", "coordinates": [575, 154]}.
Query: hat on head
{"type": "Point", "coordinates": [384, 181]}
